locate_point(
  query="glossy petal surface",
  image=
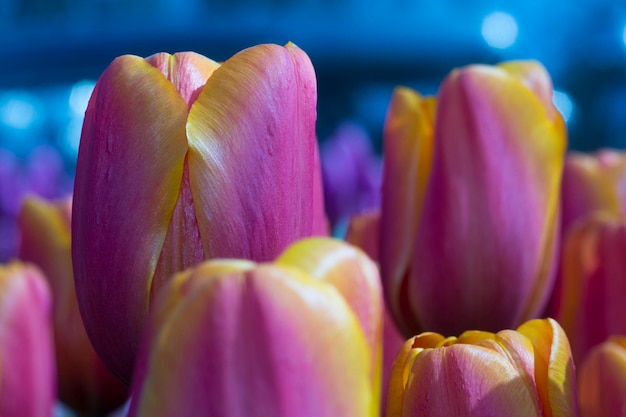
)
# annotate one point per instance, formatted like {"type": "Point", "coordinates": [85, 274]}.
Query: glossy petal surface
{"type": "Point", "coordinates": [252, 146]}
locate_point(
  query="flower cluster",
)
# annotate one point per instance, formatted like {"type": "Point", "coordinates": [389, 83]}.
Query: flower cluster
{"type": "Point", "coordinates": [191, 273]}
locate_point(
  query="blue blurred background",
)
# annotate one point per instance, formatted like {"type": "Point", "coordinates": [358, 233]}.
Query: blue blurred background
{"type": "Point", "coordinates": [54, 50]}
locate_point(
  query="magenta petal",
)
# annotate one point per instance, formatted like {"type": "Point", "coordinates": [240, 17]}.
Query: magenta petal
{"type": "Point", "coordinates": [128, 178]}
{"type": "Point", "coordinates": [27, 371]}
{"type": "Point", "coordinates": [253, 161]}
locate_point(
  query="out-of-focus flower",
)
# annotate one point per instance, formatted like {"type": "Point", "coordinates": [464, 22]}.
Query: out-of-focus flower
{"type": "Point", "coordinates": [183, 159]}
{"type": "Point", "coordinates": [592, 282]}
{"type": "Point", "coordinates": [289, 338]}
{"type": "Point", "coordinates": [602, 380]}
{"type": "Point", "coordinates": [525, 373]}
{"type": "Point", "coordinates": [42, 174]}
{"type": "Point", "coordinates": [592, 182]}
{"type": "Point", "coordinates": [363, 232]}
{"type": "Point", "coordinates": [351, 173]}
{"type": "Point", "coordinates": [470, 200]}
{"type": "Point", "coordinates": [27, 375]}
{"type": "Point", "coordinates": [83, 382]}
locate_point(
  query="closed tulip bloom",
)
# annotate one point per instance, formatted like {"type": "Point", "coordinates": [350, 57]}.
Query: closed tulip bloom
{"type": "Point", "coordinates": [234, 338]}
{"type": "Point", "coordinates": [363, 232]}
{"type": "Point", "coordinates": [470, 200]}
{"type": "Point", "coordinates": [602, 380]}
{"type": "Point", "coordinates": [527, 373]}
{"type": "Point", "coordinates": [27, 373]}
{"type": "Point", "coordinates": [592, 182]}
{"type": "Point", "coordinates": [593, 282]}
{"type": "Point", "coordinates": [183, 159]}
{"type": "Point", "coordinates": [83, 382]}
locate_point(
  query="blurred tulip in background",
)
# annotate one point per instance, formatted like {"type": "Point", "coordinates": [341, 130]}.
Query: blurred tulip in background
{"type": "Point", "coordinates": [592, 282]}
{"type": "Point", "coordinates": [602, 380]}
{"type": "Point", "coordinates": [592, 182]}
{"type": "Point", "coordinates": [27, 371]}
{"type": "Point", "coordinates": [470, 200]}
{"type": "Point", "coordinates": [83, 382]}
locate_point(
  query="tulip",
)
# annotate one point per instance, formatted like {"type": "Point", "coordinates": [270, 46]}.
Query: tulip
{"type": "Point", "coordinates": [592, 182]}
{"type": "Point", "coordinates": [83, 382]}
{"type": "Point", "coordinates": [27, 370]}
{"type": "Point", "coordinates": [602, 380]}
{"type": "Point", "coordinates": [592, 284]}
{"type": "Point", "coordinates": [528, 372]}
{"type": "Point", "coordinates": [182, 159]}
{"type": "Point", "coordinates": [289, 338]}
{"type": "Point", "coordinates": [363, 232]}
{"type": "Point", "coordinates": [470, 200]}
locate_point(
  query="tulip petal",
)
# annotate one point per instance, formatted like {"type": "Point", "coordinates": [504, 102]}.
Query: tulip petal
{"type": "Point", "coordinates": [128, 177]}
{"type": "Point", "coordinates": [602, 380]}
{"type": "Point", "coordinates": [187, 71]}
{"type": "Point", "coordinates": [493, 135]}
{"type": "Point", "coordinates": [364, 231]}
{"type": "Point", "coordinates": [27, 372]}
{"type": "Point", "coordinates": [266, 342]}
{"type": "Point", "coordinates": [592, 282]}
{"type": "Point", "coordinates": [466, 380]}
{"type": "Point", "coordinates": [554, 367]}
{"type": "Point", "coordinates": [356, 277]}
{"type": "Point", "coordinates": [83, 382]}
{"type": "Point", "coordinates": [252, 145]}
{"type": "Point", "coordinates": [408, 148]}
{"type": "Point", "coordinates": [536, 78]}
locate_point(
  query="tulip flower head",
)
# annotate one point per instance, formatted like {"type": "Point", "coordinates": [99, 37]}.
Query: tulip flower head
{"type": "Point", "coordinates": [84, 384]}
{"type": "Point", "coordinates": [528, 372]}
{"type": "Point", "coordinates": [591, 183]}
{"type": "Point", "coordinates": [297, 337]}
{"type": "Point", "coordinates": [470, 200]}
{"type": "Point", "coordinates": [27, 372]}
{"type": "Point", "coordinates": [593, 282]}
{"type": "Point", "coordinates": [602, 380]}
{"type": "Point", "coordinates": [183, 159]}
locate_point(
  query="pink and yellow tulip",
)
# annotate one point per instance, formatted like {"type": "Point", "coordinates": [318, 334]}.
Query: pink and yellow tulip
{"type": "Point", "coordinates": [363, 231]}
{"type": "Point", "coordinates": [296, 337]}
{"type": "Point", "coordinates": [525, 373]}
{"type": "Point", "coordinates": [470, 200]}
{"type": "Point", "coordinates": [591, 183]}
{"type": "Point", "coordinates": [592, 282]}
{"type": "Point", "coordinates": [83, 382]}
{"type": "Point", "coordinates": [602, 380]}
{"type": "Point", "coordinates": [184, 159]}
{"type": "Point", "coordinates": [27, 373]}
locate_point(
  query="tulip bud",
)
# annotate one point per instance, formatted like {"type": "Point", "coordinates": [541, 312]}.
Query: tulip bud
{"type": "Point", "coordinates": [183, 159]}
{"type": "Point", "coordinates": [525, 373]}
{"type": "Point", "coordinates": [592, 284]}
{"type": "Point", "coordinates": [233, 338]}
{"type": "Point", "coordinates": [83, 382]}
{"type": "Point", "coordinates": [592, 182]}
{"type": "Point", "coordinates": [27, 371]}
{"type": "Point", "coordinates": [471, 200]}
{"type": "Point", "coordinates": [602, 380]}
{"type": "Point", "coordinates": [363, 231]}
